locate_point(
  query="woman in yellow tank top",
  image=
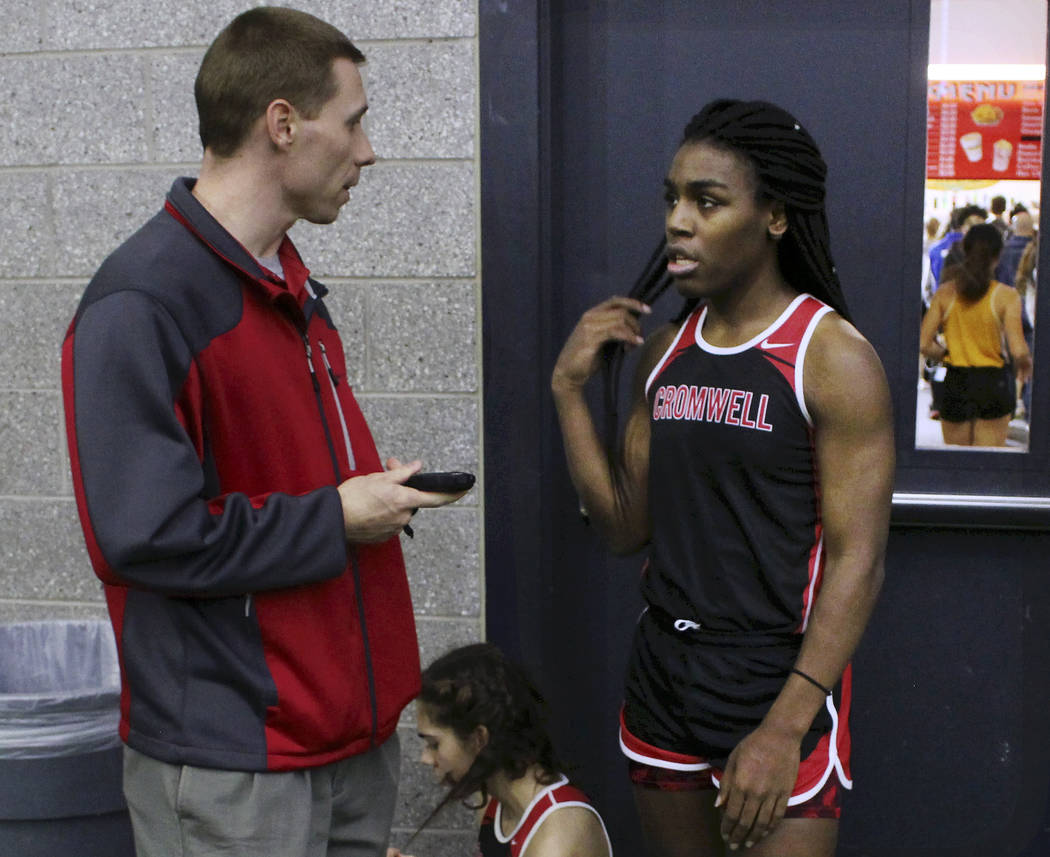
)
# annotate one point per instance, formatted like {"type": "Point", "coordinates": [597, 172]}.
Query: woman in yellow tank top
{"type": "Point", "coordinates": [973, 325]}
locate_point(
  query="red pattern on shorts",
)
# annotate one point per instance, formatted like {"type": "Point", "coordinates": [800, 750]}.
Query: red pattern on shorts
{"type": "Point", "coordinates": [827, 803]}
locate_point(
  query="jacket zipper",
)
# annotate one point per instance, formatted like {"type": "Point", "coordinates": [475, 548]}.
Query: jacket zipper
{"type": "Point", "coordinates": [320, 408]}
{"type": "Point", "coordinates": [338, 407]}
{"type": "Point", "coordinates": [358, 591]}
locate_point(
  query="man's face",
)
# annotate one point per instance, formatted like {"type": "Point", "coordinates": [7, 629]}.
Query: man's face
{"type": "Point", "coordinates": [329, 150]}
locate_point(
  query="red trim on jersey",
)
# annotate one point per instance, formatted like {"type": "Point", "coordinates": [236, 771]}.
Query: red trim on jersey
{"type": "Point", "coordinates": [815, 576]}
{"type": "Point", "coordinates": [554, 796]}
{"type": "Point", "coordinates": [781, 345]}
{"type": "Point", "coordinates": [686, 339]}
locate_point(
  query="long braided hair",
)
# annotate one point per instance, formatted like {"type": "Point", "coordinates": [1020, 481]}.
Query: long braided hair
{"type": "Point", "coordinates": [789, 169]}
{"type": "Point", "coordinates": [477, 685]}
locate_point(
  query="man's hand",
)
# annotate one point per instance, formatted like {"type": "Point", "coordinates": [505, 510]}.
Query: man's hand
{"type": "Point", "coordinates": [757, 783]}
{"type": "Point", "coordinates": [377, 506]}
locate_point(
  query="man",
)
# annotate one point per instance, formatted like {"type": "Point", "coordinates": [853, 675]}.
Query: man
{"type": "Point", "coordinates": [232, 498]}
{"type": "Point", "coordinates": [1022, 231]}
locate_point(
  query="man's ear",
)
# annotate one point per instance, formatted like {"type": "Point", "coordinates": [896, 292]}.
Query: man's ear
{"type": "Point", "coordinates": [281, 123]}
{"type": "Point", "coordinates": [480, 737]}
{"type": "Point", "coordinates": [778, 222]}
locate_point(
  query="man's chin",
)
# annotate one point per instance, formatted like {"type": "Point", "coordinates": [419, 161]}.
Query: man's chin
{"type": "Point", "coordinates": [322, 218]}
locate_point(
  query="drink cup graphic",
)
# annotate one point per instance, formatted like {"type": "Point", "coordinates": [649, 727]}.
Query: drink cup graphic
{"type": "Point", "coordinates": [971, 144]}
{"type": "Point", "coordinates": [1001, 151]}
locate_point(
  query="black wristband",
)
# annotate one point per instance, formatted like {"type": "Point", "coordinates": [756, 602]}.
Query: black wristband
{"type": "Point", "coordinates": [811, 680]}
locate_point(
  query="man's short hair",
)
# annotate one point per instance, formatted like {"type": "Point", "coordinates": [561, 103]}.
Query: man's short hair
{"type": "Point", "coordinates": [998, 204]}
{"type": "Point", "coordinates": [263, 54]}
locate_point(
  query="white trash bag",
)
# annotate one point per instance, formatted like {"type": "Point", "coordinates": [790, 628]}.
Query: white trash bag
{"type": "Point", "coordinates": [59, 688]}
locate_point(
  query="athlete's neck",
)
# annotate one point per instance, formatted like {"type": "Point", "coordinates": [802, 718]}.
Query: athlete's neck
{"type": "Point", "coordinates": [515, 796]}
{"type": "Point", "coordinates": [738, 315]}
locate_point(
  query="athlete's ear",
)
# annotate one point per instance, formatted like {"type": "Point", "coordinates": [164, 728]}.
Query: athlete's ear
{"type": "Point", "coordinates": [778, 222]}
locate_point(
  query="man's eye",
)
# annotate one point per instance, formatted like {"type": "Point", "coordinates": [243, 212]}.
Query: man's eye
{"type": "Point", "coordinates": [670, 200]}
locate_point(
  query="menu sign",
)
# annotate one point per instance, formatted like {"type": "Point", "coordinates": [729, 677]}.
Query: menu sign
{"type": "Point", "coordinates": [984, 129]}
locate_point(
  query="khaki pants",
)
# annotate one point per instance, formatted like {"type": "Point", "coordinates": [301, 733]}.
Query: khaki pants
{"type": "Point", "coordinates": [343, 809]}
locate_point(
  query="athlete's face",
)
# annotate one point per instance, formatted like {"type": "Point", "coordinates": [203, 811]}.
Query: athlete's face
{"type": "Point", "coordinates": [443, 750]}
{"type": "Point", "coordinates": [720, 234]}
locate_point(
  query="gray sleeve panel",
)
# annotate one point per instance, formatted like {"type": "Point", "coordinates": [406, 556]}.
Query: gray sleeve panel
{"type": "Point", "coordinates": [144, 483]}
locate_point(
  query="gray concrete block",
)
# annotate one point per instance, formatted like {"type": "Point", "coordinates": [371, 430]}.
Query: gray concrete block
{"type": "Point", "coordinates": [441, 432]}
{"type": "Point", "coordinates": [173, 119]}
{"type": "Point", "coordinates": [92, 24]}
{"type": "Point", "coordinates": [423, 337]}
{"type": "Point", "coordinates": [419, 793]}
{"type": "Point", "coordinates": [43, 554]}
{"type": "Point", "coordinates": [444, 562]}
{"type": "Point", "coordinates": [74, 110]}
{"type": "Point", "coordinates": [102, 24]}
{"type": "Point", "coordinates": [421, 98]}
{"type": "Point", "coordinates": [346, 304]}
{"type": "Point", "coordinates": [33, 320]}
{"type": "Point", "coordinates": [26, 225]}
{"type": "Point", "coordinates": [32, 611]}
{"type": "Point", "coordinates": [31, 461]}
{"type": "Point", "coordinates": [437, 636]}
{"type": "Point", "coordinates": [403, 220]}
{"type": "Point", "coordinates": [396, 19]}
{"type": "Point", "coordinates": [21, 27]}
{"type": "Point", "coordinates": [96, 210]}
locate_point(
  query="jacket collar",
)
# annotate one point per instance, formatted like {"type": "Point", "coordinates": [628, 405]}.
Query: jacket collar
{"type": "Point", "coordinates": [187, 209]}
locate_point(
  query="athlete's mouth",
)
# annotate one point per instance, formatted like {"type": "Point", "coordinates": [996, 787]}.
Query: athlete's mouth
{"type": "Point", "coordinates": [680, 262]}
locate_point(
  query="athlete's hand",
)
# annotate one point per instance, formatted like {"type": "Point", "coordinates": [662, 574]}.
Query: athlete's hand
{"type": "Point", "coordinates": [759, 777]}
{"type": "Point", "coordinates": [377, 506]}
{"type": "Point", "coordinates": [613, 320]}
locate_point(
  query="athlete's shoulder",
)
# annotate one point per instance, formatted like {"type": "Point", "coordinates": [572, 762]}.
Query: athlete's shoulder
{"type": "Point", "coordinates": [571, 829]}
{"type": "Point", "coordinates": [843, 369]}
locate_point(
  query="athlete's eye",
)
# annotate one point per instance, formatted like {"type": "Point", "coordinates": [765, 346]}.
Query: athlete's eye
{"type": "Point", "coordinates": [670, 200]}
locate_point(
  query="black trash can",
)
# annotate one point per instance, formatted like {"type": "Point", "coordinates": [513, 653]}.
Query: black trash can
{"type": "Point", "coordinates": [60, 753]}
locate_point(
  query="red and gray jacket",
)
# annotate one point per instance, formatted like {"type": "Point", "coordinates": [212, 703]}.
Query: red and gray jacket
{"type": "Point", "coordinates": [209, 420]}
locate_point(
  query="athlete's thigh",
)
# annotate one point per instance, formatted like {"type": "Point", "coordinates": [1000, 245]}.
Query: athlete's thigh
{"type": "Point", "coordinates": [958, 434]}
{"type": "Point", "coordinates": [798, 837]}
{"type": "Point", "coordinates": [679, 823]}
{"type": "Point", "coordinates": [991, 432]}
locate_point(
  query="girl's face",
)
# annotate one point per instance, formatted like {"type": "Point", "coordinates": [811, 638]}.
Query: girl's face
{"type": "Point", "coordinates": [443, 750]}
{"type": "Point", "coordinates": [719, 233]}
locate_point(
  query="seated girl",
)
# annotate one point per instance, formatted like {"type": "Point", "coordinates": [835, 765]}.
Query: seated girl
{"type": "Point", "coordinates": [483, 734]}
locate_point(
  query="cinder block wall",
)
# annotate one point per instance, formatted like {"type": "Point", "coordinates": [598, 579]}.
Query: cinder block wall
{"type": "Point", "coordinates": [99, 120]}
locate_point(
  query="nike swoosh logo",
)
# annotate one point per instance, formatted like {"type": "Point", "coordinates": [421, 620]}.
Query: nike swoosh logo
{"type": "Point", "coordinates": [765, 343]}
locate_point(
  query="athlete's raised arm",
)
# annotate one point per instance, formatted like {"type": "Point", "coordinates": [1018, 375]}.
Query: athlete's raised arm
{"type": "Point", "coordinates": [624, 523]}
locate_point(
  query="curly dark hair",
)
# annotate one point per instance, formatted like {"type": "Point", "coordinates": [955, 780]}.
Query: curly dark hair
{"type": "Point", "coordinates": [477, 685]}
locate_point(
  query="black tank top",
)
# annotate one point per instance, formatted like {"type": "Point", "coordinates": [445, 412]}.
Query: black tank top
{"type": "Point", "coordinates": [734, 495]}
